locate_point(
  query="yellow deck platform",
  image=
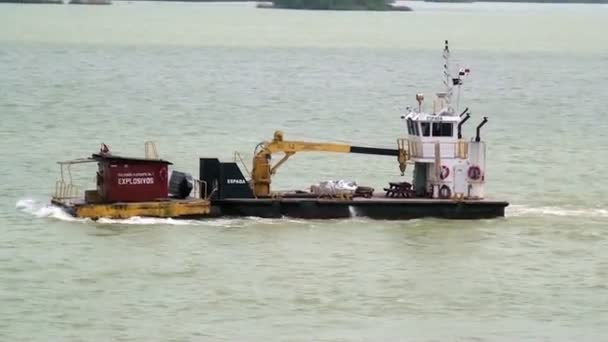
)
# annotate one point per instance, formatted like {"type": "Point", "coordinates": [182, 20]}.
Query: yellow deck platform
{"type": "Point", "coordinates": [163, 209]}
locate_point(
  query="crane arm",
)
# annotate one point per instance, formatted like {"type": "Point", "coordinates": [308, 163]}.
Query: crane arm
{"type": "Point", "coordinates": [292, 146]}
{"type": "Point", "coordinates": [262, 170]}
{"type": "Point", "coordinates": [303, 146]}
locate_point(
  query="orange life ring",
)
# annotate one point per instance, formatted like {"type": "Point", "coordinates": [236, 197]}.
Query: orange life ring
{"type": "Point", "coordinates": [445, 172]}
{"type": "Point", "coordinates": [445, 192]}
{"type": "Point", "coordinates": [474, 172]}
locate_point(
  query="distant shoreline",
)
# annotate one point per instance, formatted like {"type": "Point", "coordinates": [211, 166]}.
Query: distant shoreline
{"type": "Point", "coordinates": [387, 8]}
{"type": "Point", "coordinates": [43, 2]}
{"type": "Point", "coordinates": [264, 4]}
{"type": "Point", "coordinates": [270, 5]}
{"type": "Point", "coordinates": [59, 2]}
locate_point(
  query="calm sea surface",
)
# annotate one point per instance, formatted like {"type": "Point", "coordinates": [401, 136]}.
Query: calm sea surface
{"type": "Point", "coordinates": [208, 79]}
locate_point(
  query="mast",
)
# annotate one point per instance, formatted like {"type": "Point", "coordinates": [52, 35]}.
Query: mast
{"type": "Point", "coordinates": [450, 82]}
{"type": "Point", "coordinates": [446, 73]}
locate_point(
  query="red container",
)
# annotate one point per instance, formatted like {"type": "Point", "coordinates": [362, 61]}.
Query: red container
{"type": "Point", "coordinates": [122, 179]}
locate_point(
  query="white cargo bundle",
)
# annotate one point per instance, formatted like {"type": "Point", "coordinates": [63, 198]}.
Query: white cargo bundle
{"type": "Point", "coordinates": [333, 188]}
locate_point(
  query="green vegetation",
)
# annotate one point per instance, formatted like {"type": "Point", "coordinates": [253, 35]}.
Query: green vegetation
{"type": "Point", "coordinates": [363, 5]}
{"type": "Point", "coordinates": [53, 2]}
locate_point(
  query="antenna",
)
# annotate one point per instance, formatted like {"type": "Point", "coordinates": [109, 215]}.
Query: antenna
{"type": "Point", "coordinates": [446, 73]}
{"type": "Point", "coordinates": [462, 73]}
{"type": "Point", "coordinates": [458, 81]}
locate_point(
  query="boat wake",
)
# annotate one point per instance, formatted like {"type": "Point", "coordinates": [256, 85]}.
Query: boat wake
{"type": "Point", "coordinates": [46, 210]}
{"type": "Point", "coordinates": [525, 211]}
{"type": "Point", "coordinates": [42, 209]}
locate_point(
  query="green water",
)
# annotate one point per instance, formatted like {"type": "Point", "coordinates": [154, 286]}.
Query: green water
{"type": "Point", "coordinates": [208, 79]}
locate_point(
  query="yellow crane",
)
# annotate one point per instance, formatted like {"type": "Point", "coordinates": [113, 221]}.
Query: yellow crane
{"type": "Point", "coordinates": [262, 169]}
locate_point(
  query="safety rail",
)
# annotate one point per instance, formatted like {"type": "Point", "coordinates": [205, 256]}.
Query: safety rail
{"type": "Point", "coordinates": [65, 190]}
{"type": "Point", "coordinates": [427, 150]}
{"type": "Point", "coordinates": [403, 144]}
{"type": "Point", "coordinates": [239, 159]}
{"type": "Point", "coordinates": [199, 189]}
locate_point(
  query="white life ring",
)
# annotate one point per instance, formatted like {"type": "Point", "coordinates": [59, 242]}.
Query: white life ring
{"type": "Point", "coordinates": [445, 192]}
{"type": "Point", "coordinates": [474, 172]}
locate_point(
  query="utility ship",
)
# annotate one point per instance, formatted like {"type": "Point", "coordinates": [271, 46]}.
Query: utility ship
{"type": "Point", "coordinates": [449, 172]}
{"type": "Point", "coordinates": [449, 175]}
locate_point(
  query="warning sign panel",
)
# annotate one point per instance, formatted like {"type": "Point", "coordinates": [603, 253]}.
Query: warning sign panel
{"type": "Point", "coordinates": [140, 178]}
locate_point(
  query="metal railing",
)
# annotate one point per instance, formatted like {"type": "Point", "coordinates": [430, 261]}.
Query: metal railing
{"type": "Point", "coordinates": [199, 189]}
{"type": "Point", "coordinates": [65, 190]}
{"type": "Point", "coordinates": [419, 149]}
{"type": "Point", "coordinates": [239, 159]}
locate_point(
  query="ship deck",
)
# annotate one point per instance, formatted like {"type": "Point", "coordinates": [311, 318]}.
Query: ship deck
{"type": "Point", "coordinates": [362, 200]}
{"type": "Point", "coordinates": [169, 208]}
{"type": "Point", "coordinates": [376, 207]}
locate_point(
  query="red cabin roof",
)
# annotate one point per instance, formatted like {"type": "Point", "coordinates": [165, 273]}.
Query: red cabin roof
{"type": "Point", "coordinates": [100, 157]}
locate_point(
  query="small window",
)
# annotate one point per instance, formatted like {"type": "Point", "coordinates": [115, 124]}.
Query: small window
{"type": "Point", "coordinates": [425, 127]}
{"type": "Point", "coordinates": [442, 129]}
{"type": "Point", "coordinates": [436, 129]}
{"type": "Point", "coordinates": [409, 127]}
{"type": "Point", "coordinates": [415, 127]}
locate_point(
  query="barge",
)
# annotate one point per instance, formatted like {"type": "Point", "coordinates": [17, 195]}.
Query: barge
{"type": "Point", "coordinates": [130, 187]}
{"type": "Point", "coordinates": [449, 172]}
{"type": "Point", "coordinates": [376, 207]}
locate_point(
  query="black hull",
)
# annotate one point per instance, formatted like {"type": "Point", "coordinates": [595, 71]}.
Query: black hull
{"type": "Point", "coordinates": [232, 196]}
{"type": "Point", "coordinates": [383, 209]}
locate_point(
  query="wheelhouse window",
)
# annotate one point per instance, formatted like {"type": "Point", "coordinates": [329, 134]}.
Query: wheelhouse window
{"type": "Point", "coordinates": [443, 129]}
{"type": "Point", "coordinates": [412, 127]}
{"type": "Point", "coordinates": [425, 127]}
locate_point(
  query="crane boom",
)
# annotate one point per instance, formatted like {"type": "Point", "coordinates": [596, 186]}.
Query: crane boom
{"type": "Point", "coordinates": [263, 171]}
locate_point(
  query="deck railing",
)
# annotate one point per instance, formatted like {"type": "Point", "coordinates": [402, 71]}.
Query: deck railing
{"type": "Point", "coordinates": [200, 190]}
{"type": "Point", "coordinates": [427, 150]}
{"type": "Point", "coordinates": [239, 159]}
{"type": "Point", "coordinates": [65, 190]}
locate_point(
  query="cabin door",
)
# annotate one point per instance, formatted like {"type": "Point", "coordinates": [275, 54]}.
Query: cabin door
{"type": "Point", "coordinates": [420, 178]}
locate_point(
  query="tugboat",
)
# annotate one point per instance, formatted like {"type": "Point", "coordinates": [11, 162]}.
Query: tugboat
{"type": "Point", "coordinates": [129, 187]}
{"type": "Point", "coordinates": [448, 176]}
{"type": "Point", "coordinates": [446, 166]}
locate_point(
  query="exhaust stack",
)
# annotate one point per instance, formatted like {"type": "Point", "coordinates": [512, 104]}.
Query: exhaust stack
{"type": "Point", "coordinates": [483, 122]}
{"type": "Point", "coordinates": [461, 123]}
